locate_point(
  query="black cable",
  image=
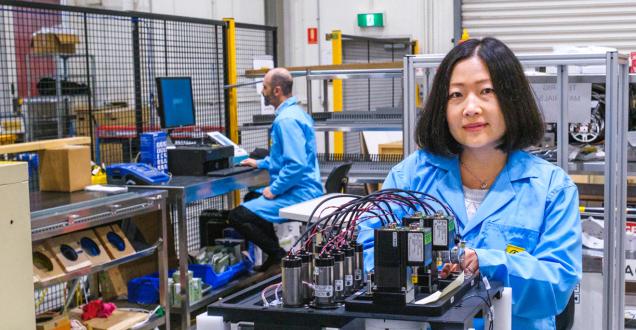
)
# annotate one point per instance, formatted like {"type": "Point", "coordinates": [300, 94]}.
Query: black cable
{"type": "Point", "coordinates": [490, 318]}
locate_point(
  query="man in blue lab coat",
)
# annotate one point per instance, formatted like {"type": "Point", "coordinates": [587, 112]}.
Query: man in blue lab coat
{"type": "Point", "coordinates": [292, 165]}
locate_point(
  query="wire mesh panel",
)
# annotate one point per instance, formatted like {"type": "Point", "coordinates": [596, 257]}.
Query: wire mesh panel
{"type": "Point", "coordinates": [67, 71]}
{"type": "Point", "coordinates": [193, 210]}
{"type": "Point", "coordinates": [371, 94]}
{"type": "Point", "coordinates": [254, 44]}
{"type": "Point", "coordinates": [184, 49]}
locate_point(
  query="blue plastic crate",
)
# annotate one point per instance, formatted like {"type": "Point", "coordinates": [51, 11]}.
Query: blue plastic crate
{"type": "Point", "coordinates": [208, 276]}
{"type": "Point", "coordinates": [144, 290]}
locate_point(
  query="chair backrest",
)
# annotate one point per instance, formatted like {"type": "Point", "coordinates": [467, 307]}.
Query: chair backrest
{"type": "Point", "coordinates": [565, 320]}
{"type": "Point", "coordinates": [337, 179]}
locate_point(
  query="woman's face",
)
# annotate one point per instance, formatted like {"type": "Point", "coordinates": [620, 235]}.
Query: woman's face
{"type": "Point", "coordinates": [473, 114]}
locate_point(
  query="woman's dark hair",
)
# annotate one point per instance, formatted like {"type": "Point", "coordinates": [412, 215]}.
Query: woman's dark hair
{"type": "Point", "coordinates": [524, 122]}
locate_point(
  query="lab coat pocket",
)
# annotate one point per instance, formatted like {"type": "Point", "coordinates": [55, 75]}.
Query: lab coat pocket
{"type": "Point", "coordinates": [512, 239]}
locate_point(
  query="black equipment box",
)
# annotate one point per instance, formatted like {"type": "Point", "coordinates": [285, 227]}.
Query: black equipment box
{"type": "Point", "coordinates": [199, 160]}
{"type": "Point", "coordinates": [361, 302]}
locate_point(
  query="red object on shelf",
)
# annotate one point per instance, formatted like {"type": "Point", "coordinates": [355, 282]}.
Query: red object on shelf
{"type": "Point", "coordinates": [97, 308]}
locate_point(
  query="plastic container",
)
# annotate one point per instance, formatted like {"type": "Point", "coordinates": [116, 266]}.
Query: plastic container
{"type": "Point", "coordinates": [208, 276]}
{"type": "Point", "coordinates": [144, 290]}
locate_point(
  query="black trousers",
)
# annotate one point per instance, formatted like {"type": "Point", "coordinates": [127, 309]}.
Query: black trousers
{"type": "Point", "coordinates": [257, 230]}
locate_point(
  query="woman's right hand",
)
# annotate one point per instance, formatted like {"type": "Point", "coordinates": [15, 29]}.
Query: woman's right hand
{"type": "Point", "coordinates": [448, 269]}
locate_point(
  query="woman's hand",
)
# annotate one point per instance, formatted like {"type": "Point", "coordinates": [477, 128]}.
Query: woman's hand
{"type": "Point", "coordinates": [448, 269]}
{"type": "Point", "coordinates": [470, 265]}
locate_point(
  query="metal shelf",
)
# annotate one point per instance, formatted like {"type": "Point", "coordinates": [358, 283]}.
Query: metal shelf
{"type": "Point", "coordinates": [56, 213]}
{"type": "Point", "coordinates": [335, 126]}
{"type": "Point", "coordinates": [358, 126]}
{"type": "Point", "coordinates": [152, 324]}
{"type": "Point", "coordinates": [574, 78]}
{"type": "Point", "coordinates": [353, 74]}
{"type": "Point", "coordinates": [98, 268]}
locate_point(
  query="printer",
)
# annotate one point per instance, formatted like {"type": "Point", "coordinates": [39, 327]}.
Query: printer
{"type": "Point", "coordinates": [197, 160]}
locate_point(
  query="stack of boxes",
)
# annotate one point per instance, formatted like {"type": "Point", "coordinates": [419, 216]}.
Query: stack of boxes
{"type": "Point", "coordinates": [154, 150]}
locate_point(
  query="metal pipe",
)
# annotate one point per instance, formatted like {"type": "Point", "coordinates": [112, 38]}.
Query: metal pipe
{"type": "Point", "coordinates": [338, 275]}
{"type": "Point", "coordinates": [306, 275]}
{"type": "Point", "coordinates": [348, 270]}
{"type": "Point", "coordinates": [323, 283]}
{"type": "Point", "coordinates": [291, 281]}
{"type": "Point", "coordinates": [358, 265]}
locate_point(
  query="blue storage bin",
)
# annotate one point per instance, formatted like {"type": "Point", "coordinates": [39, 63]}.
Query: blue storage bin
{"type": "Point", "coordinates": [208, 276]}
{"type": "Point", "coordinates": [144, 290]}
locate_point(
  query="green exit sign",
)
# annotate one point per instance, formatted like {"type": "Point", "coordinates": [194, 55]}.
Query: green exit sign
{"type": "Point", "coordinates": [369, 20]}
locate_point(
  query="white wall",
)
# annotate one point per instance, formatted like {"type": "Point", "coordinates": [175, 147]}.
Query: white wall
{"type": "Point", "coordinates": [428, 21]}
{"type": "Point", "coordinates": [419, 20]}
{"type": "Point", "coordinates": [244, 11]}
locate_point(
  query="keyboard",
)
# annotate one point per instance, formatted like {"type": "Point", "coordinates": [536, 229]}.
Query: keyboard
{"type": "Point", "coordinates": [230, 171]}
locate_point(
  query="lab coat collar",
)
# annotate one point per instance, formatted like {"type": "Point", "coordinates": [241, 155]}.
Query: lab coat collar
{"type": "Point", "coordinates": [288, 103]}
{"type": "Point", "coordinates": [450, 188]}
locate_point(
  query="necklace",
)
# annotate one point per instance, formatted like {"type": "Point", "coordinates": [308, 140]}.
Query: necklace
{"type": "Point", "coordinates": [483, 183]}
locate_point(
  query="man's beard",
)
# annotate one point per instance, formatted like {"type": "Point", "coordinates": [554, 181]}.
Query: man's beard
{"type": "Point", "coordinates": [266, 100]}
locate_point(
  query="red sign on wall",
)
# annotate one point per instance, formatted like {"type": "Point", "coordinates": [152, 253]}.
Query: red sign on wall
{"type": "Point", "coordinates": [312, 35]}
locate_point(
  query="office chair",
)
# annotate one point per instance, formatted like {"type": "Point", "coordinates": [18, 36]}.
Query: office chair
{"type": "Point", "coordinates": [565, 320]}
{"type": "Point", "coordinates": [337, 179]}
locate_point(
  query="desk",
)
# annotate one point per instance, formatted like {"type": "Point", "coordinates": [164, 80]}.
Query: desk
{"type": "Point", "coordinates": [247, 305]}
{"type": "Point", "coordinates": [184, 190]}
{"type": "Point", "coordinates": [302, 211]}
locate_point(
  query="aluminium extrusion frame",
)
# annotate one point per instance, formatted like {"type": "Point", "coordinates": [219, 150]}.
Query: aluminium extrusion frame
{"type": "Point", "coordinates": [615, 171]}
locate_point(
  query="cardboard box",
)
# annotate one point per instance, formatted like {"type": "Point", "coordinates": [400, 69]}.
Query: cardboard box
{"type": "Point", "coordinates": [65, 168]}
{"type": "Point", "coordinates": [60, 322]}
{"type": "Point", "coordinates": [54, 41]}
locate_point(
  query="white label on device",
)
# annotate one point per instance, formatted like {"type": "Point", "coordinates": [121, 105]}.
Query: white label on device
{"type": "Point", "coordinates": [416, 247]}
{"type": "Point", "coordinates": [323, 291]}
{"type": "Point", "coordinates": [339, 285]}
{"type": "Point", "coordinates": [440, 232]}
{"type": "Point", "coordinates": [348, 280]}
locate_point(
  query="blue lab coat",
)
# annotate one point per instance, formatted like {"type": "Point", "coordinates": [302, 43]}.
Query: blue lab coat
{"type": "Point", "coordinates": [292, 162]}
{"type": "Point", "coordinates": [532, 207]}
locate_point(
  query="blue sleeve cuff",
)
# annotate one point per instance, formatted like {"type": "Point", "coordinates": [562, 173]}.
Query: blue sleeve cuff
{"type": "Point", "coordinates": [489, 260]}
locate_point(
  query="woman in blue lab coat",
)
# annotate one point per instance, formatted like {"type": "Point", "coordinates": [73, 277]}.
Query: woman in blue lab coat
{"type": "Point", "coordinates": [292, 166]}
{"type": "Point", "coordinates": [518, 213]}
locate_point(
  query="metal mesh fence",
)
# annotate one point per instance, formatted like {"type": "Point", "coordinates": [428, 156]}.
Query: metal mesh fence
{"type": "Point", "coordinates": [193, 210]}
{"type": "Point", "coordinates": [254, 45]}
{"type": "Point", "coordinates": [371, 94]}
{"type": "Point", "coordinates": [67, 71]}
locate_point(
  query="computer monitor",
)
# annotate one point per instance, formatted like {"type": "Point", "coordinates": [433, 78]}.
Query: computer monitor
{"type": "Point", "coordinates": [176, 104]}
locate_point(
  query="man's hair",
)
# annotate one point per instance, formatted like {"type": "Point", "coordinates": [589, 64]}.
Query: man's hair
{"type": "Point", "coordinates": [524, 122]}
{"type": "Point", "coordinates": [282, 78]}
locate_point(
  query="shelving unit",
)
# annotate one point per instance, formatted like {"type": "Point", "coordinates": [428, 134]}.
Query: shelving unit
{"type": "Point", "coordinates": [59, 104]}
{"type": "Point", "coordinates": [184, 191]}
{"type": "Point", "coordinates": [57, 214]}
